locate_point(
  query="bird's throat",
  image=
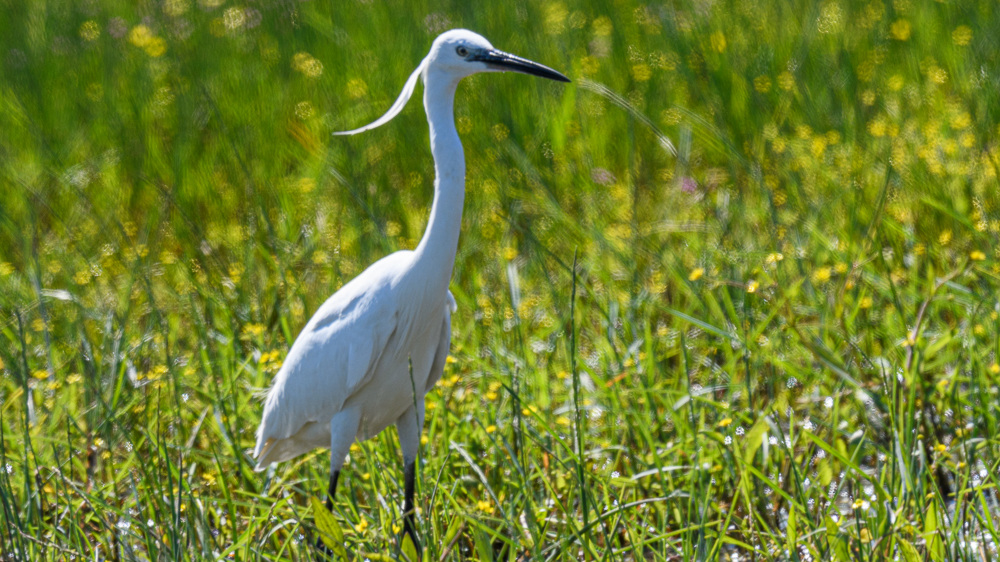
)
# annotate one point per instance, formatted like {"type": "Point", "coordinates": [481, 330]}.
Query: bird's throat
{"type": "Point", "coordinates": [439, 245]}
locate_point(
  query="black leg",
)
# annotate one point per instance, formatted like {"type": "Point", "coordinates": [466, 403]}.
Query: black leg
{"type": "Point", "coordinates": [409, 513]}
{"type": "Point", "coordinates": [329, 507]}
{"type": "Point", "coordinates": [332, 490]}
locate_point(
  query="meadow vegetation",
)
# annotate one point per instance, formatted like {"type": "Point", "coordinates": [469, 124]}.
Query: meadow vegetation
{"type": "Point", "coordinates": [732, 294]}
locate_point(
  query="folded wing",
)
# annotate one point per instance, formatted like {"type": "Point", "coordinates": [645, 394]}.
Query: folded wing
{"type": "Point", "coordinates": [333, 356]}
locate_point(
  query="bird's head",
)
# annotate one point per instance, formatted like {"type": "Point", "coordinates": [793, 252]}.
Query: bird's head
{"type": "Point", "coordinates": [461, 53]}
{"type": "Point", "coordinates": [454, 55]}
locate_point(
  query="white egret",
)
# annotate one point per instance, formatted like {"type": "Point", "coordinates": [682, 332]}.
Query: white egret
{"type": "Point", "coordinates": [348, 375]}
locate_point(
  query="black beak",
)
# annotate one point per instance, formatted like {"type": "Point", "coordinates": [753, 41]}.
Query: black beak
{"type": "Point", "coordinates": [499, 60]}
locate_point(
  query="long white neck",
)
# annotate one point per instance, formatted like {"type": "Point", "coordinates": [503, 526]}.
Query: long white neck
{"type": "Point", "coordinates": [437, 249]}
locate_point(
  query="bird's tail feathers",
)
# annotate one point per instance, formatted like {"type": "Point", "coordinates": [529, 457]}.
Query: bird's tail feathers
{"type": "Point", "coordinates": [261, 452]}
{"type": "Point", "coordinates": [261, 393]}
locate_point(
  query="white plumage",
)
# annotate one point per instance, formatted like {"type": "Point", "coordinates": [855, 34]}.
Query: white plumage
{"type": "Point", "coordinates": [361, 331]}
{"type": "Point", "coordinates": [348, 374]}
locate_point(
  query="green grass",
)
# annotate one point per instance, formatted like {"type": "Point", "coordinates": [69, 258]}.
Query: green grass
{"type": "Point", "coordinates": [779, 341]}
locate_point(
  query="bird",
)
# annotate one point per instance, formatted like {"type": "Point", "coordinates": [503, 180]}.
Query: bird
{"type": "Point", "coordinates": [371, 352]}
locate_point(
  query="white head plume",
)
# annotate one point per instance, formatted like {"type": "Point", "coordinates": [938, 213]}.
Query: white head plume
{"type": "Point", "coordinates": [404, 96]}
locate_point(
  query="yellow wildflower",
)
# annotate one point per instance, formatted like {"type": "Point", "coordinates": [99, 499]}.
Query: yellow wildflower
{"type": "Point", "coordinates": [500, 132]}
{"type": "Point", "coordinates": [786, 81]}
{"type": "Point", "coordinates": [962, 35]}
{"type": "Point", "coordinates": [356, 88]}
{"type": "Point", "coordinates": [718, 40]}
{"type": "Point", "coordinates": [976, 255]}
{"type": "Point", "coordinates": [696, 274]}
{"type": "Point", "coordinates": [877, 127]}
{"type": "Point", "coordinates": [555, 18]}
{"type": "Point", "coordinates": [900, 30]}
{"type": "Point", "coordinates": [140, 36]}
{"type": "Point", "coordinates": [726, 422]}
{"type": "Point", "coordinates": [603, 26]}
{"type": "Point", "coordinates": [156, 47]}
{"type": "Point", "coordinates": [304, 110]}
{"type": "Point", "coordinates": [89, 31]}
{"type": "Point", "coordinates": [589, 65]}
{"type": "Point", "coordinates": [175, 7]}
{"type": "Point", "coordinates": [311, 67]}
{"type": "Point", "coordinates": [752, 286]}
{"type": "Point", "coordinates": [822, 275]}
{"type": "Point", "coordinates": [641, 72]}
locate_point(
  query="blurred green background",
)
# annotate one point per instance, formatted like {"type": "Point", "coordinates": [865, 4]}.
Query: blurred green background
{"type": "Point", "coordinates": [785, 218]}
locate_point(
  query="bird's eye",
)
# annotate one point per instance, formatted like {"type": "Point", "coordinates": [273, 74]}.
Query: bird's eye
{"type": "Point", "coordinates": [462, 51]}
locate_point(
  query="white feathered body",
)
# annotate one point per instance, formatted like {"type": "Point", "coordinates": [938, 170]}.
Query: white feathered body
{"type": "Point", "coordinates": [355, 354]}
